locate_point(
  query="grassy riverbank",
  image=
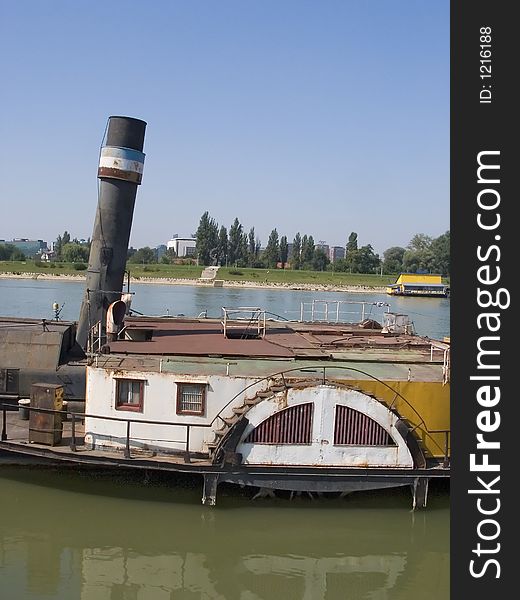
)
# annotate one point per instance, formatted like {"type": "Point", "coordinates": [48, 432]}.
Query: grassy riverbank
{"type": "Point", "coordinates": [192, 272]}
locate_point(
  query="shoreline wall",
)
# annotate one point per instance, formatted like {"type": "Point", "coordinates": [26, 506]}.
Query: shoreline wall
{"type": "Point", "coordinates": [197, 282]}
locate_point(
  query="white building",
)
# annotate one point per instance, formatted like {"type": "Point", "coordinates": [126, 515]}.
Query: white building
{"type": "Point", "coordinates": [183, 247]}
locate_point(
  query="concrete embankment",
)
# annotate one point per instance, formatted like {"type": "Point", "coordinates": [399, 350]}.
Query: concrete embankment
{"type": "Point", "coordinates": [198, 282]}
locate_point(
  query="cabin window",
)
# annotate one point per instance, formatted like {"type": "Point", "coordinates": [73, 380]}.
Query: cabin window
{"type": "Point", "coordinates": [129, 394]}
{"type": "Point", "coordinates": [191, 398]}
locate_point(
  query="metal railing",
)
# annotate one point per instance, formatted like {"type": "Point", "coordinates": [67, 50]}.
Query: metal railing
{"type": "Point", "coordinates": [78, 416]}
{"type": "Point", "coordinates": [95, 339]}
{"type": "Point", "coordinates": [338, 311]}
{"type": "Point", "coordinates": [447, 435]}
{"type": "Point", "coordinates": [446, 358]}
{"type": "Point", "coordinates": [246, 320]}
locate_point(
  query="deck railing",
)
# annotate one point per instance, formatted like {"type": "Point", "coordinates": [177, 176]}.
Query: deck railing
{"type": "Point", "coordinates": [79, 416]}
{"type": "Point", "coordinates": [341, 311]}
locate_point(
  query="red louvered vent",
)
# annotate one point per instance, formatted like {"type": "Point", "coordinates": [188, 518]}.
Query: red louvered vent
{"type": "Point", "coordinates": [354, 428]}
{"type": "Point", "coordinates": [290, 426]}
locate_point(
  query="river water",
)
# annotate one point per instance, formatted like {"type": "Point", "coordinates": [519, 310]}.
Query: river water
{"type": "Point", "coordinates": [105, 536]}
{"type": "Point", "coordinates": [34, 298]}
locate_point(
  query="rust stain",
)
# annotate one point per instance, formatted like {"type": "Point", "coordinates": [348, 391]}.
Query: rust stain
{"type": "Point", "coordinates": [116, 173]}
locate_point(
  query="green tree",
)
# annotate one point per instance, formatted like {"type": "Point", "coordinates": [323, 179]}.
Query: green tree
{"type": "Point", "coordinates": [222, 246]}
{"type": "Point", "coordinates": [352, 243]}
{"type": "Point", "coordinates": [341, 265]}
{"type": "Point", "coordinates": [419, 255]}
{"type": "Point", "coordinates": [61, 241]}
{"type": "Point", "coordinates": [272, 250]}
{"type": "Point", "coordinates": [207, 239]}
{"type": "Point", "coordinates": [169, 256]}
{"type": "Point", "coordinates": [296, 252]}
{"type": "Point", "coordinates": [420, 242]}
{"type": "Point", "coordinates": [308, 250]}
{"type": "Point", "coordinates": [75, 253]}
{"type": "Point", "coordinates": [235, 245]}
{"type": "Point", "coordinates": [320, 260]}
{"type": "Point", "coordinates": [252, 248]}
{"type": "Point", "coordinates": [440, 247]}
{"type": "Point", "coordinates": [284, 250]}
{"type": "Point", "coordinates": [362, 260]}
{"type": "Point", "coordinates": [351, 252]}
{"type": "Point", "coordinates": [144, 256]}
{"type": "Point", "coordinates": [10, 252]}
{"type": "Point", "coordinates": [368, 260]}
{"type": "Point", "coordinates": [393, 260]}
{"type": "Point", "coordinates": [57, 248]}
{"type": "Point", "coordinates": [244, 252]}
{"type": "Point", "coordinates": [258, 245]}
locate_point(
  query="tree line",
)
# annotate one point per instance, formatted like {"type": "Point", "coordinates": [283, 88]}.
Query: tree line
{"type": "Point", "coordinates": [238, 248]}
{"type": "Point", "coordinates": [10, 252]}
{"type": "Point", "coordinates": [71, 250]}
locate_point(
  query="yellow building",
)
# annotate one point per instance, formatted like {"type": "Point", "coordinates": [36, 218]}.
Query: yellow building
{"type": "Point", "coordinates": [418, 284]}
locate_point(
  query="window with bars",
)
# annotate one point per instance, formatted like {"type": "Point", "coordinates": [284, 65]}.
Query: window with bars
{"type": "Point", "coordinates": [289, 426]}
{"type": "Point", "coordinates": [191, 398]}
{"type": "Point", "coordinates": [129, 394]}
{"type": "Point", "coordinates": [354, 428]}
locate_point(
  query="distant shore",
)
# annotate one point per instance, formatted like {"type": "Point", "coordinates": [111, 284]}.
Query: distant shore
{"type": "Point", "coordinates": [228, 284]}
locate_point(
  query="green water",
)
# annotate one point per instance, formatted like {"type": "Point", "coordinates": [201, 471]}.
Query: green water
{"type": "Point", "coordinates": [102, 536]}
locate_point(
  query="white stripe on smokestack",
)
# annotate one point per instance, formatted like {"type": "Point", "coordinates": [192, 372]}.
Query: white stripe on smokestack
{"type": "Point", "coordinates": [121, 163]}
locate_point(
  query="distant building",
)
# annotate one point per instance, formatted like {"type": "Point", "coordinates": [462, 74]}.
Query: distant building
{"type": "Point", "coordinates": [323, 247]}
{"type": "Point", "coordinates": [183, 247]}
{"type": "Point", "coordinates": [336, 253]}
{"type": "Point", "coordinates": [48, 255]}
{"type": "Point", "coordinates": [160, 250]}
{"type": "Point", "coordinates": [30, 248]}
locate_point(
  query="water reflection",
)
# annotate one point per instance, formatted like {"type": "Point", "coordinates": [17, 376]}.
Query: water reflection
{"type": "Point", "coordinates": [76, 536]}
{"type": "Point", "coordinates": [254, 577]}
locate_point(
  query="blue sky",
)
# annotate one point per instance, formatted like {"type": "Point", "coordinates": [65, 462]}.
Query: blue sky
{"type": "Point", "coordinates": [323, 117]}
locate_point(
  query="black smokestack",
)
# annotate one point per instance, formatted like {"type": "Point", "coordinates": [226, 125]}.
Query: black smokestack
{"type": "Point", "coordinates": [120, 172]}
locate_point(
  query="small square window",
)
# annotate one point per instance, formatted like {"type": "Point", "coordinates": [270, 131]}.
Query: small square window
{"type": "Point", "coordinates": [191, 398]}
{"type": "Point", "coordinates": [129, 394]}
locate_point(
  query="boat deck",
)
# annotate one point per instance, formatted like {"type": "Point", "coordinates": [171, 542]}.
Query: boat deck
{"type": "Point", "coordinates": [18, 442]}
{"type": "Point", "coordinates": [18, 437]}
{"type": "Point", "coordinates": [205, 337]}
{"type": "Point", "coordinates": [198, 346]}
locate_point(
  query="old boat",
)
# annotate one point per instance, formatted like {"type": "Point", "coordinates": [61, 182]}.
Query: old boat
{"type": "Point", "coordinates": [419, 284]}
{"type": "Point", "coordinates": [301, 406]}
{"type": "Point", "coordinates": [314, 405]}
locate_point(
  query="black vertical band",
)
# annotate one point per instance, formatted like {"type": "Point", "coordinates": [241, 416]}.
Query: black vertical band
{"type": "Point", "coordinates": [484, 250]}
